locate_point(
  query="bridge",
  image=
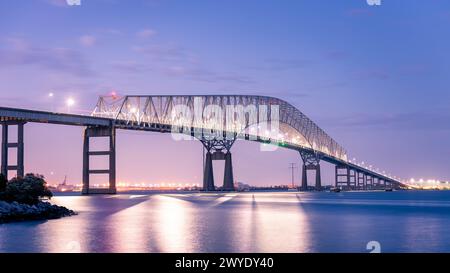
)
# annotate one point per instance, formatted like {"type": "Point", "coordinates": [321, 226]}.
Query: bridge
{"type": "Point", "coordinates": [217, 121]}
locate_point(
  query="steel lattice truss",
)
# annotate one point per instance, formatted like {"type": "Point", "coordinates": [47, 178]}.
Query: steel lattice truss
{"type": "Point", "coordinates": [252, 117]}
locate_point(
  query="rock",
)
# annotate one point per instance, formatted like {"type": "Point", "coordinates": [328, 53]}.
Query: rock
{"type": "Point", "coordinates": [41, 211]}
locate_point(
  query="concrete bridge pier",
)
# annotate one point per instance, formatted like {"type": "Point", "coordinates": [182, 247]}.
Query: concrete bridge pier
{"type": "Point", "coordinates": [228, 179]}
{"type": "Point", "coordinates": [19, 146]}
{"type": "Point", "coordinates": [218, 150]}
{"type": "Point", "coordinates": [353, 179]}
{"type": "Point", "coordinates": [92, 132]}
{"type": "Point", "coordinates": [208, 174]}
{"type": "Point", "coordinates": [369, 182]}
{"type": "Point", "coordinates": [376, 183]}
{"type": "Point", "coordinates": [342, 177]}
{"type": "Point", "coordinates": [382, 183]}
{"type": "Point", "coordinates": [311, 161]}
{"type": "Point", "coordinates": [361, 181]}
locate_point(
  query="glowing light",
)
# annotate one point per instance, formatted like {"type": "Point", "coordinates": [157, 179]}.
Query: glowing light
{"type": "Point", "coordinates": [51, 95]}
{"type": "Point", "coordinates": [70, 102]}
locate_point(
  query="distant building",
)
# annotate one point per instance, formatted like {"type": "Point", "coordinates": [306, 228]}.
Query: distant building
{"type": "Point", "coordinates": [239, 186]}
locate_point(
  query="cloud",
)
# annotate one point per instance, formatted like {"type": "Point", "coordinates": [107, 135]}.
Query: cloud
{"type": "Point", "coordinates": [146, 33]}
{"type": "Point", "coordinates": [57, 59]}
{"type": "Point", "coordinates": [130, 66]}
{"type": "Point", "coordinates": [175, 61]}
{"type": "Point", "coordinates": [206, 75]}
{"type": "Point", "coordinates": [430, 121]}
{"type": "Point", "coordinates": [359, 12]}
{"type": "Point", "coordinates": [335, 55]}
{"type": "Point", "coordinates": [413, 69]}
{"type": "Point", "coordinates": [57, 3]}
{"type": "Point", "coordinates": [376, 74]}
{"type": "Point", "coordinates": [64, 3]}
{"type": "Point", "coordinates": [162, 53]}
{"type": "Point", "coordinates": [87, 40]}
{"type": "Point", "coordinates": [113, 31]}
{"type": "Point", "coordinates": [290, 95]}
{"type": "Point", "coordinates": [282, 64]}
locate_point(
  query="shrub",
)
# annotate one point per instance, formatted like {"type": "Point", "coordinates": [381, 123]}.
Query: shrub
{"type": "Point", "coordinates": [27, 190]}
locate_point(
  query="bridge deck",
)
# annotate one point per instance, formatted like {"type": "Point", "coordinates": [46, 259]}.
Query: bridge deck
{"type": "Point", "coordinates": [25, 115]}
{"type": "Point", "coordinates": [15, 114]}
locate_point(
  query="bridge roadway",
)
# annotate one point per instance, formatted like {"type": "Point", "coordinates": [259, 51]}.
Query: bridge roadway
{"type": "Point", "coordinates": [349, 176]}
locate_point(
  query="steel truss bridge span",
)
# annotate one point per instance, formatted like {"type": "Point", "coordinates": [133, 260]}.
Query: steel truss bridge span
{"type": "Point", "coordinates": [259, 118]}
{"type": "Point", "coordinates": [217, 121]}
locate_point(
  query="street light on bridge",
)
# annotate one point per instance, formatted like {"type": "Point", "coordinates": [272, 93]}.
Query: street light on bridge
{"type": "Point", "coordinates": [70, 102]}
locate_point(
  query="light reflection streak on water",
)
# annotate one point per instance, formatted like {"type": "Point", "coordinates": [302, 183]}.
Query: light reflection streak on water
{"type": "Point", "coordinates": [130, 228]}
{"type": "Point", "coordinates": [66, 235]}
{"type": "Point", "coordinates": [173, 224]}
{"type": "Point", "coordinates": [280, 227]}
{"type": "Point", "coordinates": [239, 222]}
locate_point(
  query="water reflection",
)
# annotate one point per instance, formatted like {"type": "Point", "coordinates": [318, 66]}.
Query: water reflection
{"type": "Point", "coordinates": [280, 226]}
{"type": "Point", "coordinates": [239, 222]}
{"type": "Point", "coordinates": [173, 224]}
{"type": "Point", "coordinates": [130, 228]}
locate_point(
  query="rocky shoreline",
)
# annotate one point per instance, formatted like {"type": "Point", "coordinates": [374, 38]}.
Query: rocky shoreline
{"type": "Point", "coordinates": [14, 212]}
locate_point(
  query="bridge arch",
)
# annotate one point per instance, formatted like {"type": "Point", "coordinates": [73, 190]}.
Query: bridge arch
{"type": "Point", "coordinates": [294, 129]}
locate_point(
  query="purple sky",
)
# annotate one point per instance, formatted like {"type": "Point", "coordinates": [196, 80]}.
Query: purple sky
{"type": "Point", "coordinates": [375, 78]}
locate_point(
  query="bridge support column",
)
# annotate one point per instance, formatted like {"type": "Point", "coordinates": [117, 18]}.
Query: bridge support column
{"type": "Point", "coordinates": [304, 178]}
{"type": "Point", "coordinates": [19, 146]}
{"type": "Point", "coordinates": [318, 178]}
{"type": "Point", "coordinates": [311, 161]}
{"type": "Point", "coordinates": [353, 179]}
{"type": "Point", "coordinates": [369, 182]}
{"type": "Point", "coordinates": [5, 150]}
{"type": "Point", "coordinates": [381, 184]}
{"type": "Point", "coordinates": [342, 177]}
{"type": "Point", "coordinates": [218, 150]}
{"type": "Point", "coordinates": [361, 181]}
{"type": "Point", "coordinates": [228, 179]}
{"type": "Point", "coordinates": [208, 174]}
{"type": "Point", "coordinates": [376, 182]}
{"type": "Point", "coordinates": [89, 133]}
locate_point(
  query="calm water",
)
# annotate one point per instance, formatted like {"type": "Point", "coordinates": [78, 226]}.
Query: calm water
{"type": "Point", "coordinates": [240, 222]}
